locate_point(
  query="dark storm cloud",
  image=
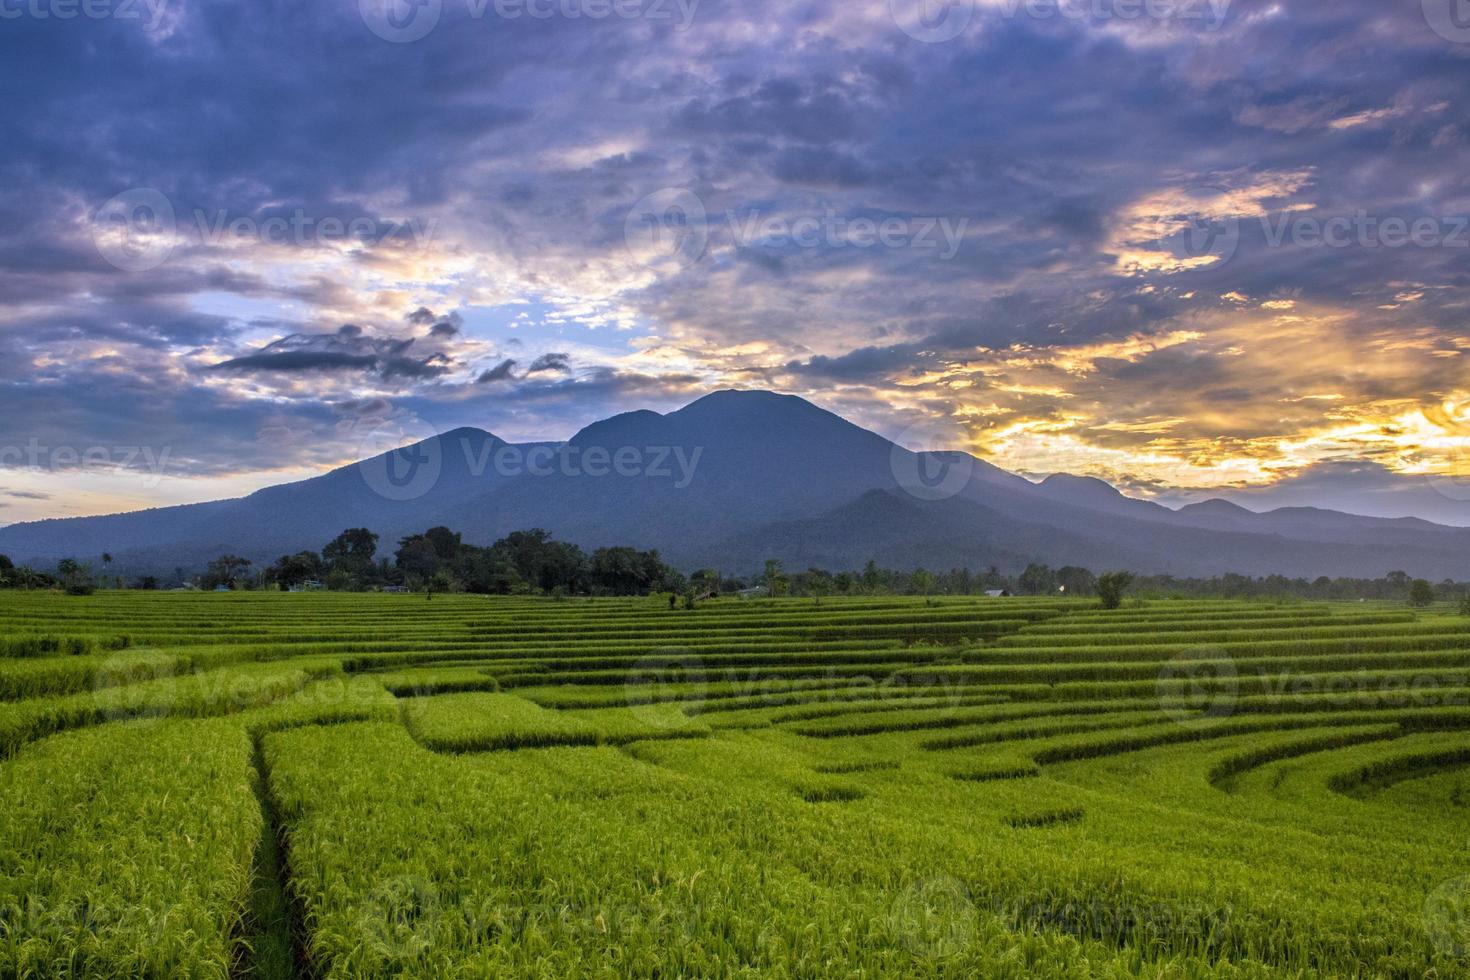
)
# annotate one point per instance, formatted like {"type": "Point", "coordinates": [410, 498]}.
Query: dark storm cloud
{"type": "Point", "coordinates": [554, 361]}
{"type": "Point", "coordinates": [500, 372]}
{"type": "Point", "coordinates": [866, 364]}
{"type": "Point", "coordinates": [531, 140]}
{"type": "Point", "coordinates": [439, 326]}
{"type": "Point", "coordinates": [349, 349]}
{"type": "Point", "coordinates": [275, 358]}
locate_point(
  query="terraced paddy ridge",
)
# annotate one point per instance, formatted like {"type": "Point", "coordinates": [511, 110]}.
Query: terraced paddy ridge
{"type": "Point", "coordinates": [333, 785]}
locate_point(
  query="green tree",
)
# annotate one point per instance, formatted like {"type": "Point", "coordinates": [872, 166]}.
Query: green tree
{"type": "Point", "coordinates": [777, 583]}
{"type": "Point", "coordinates": [352, 551]}
{"type": "Point", "coordinates": [417, 556]}
{"type": "Point", "coordinates": [706, 580]}
{"type": "Point", "coordinates": [922, 581]}
{"type": "Point", "coordinates": [543, 563]}
{"type": "Point", "coordinates": [446, 542]}
{"type": "Point", "coordinates": [75, 577]}
{"type": "Point", "coordinates": [1111, 586]}
{"type": "Point", "coordinates": [1421, 593]}
{"type": "Point", "coordinates": [290, 571]}
{"type": "Point", "coordinates": [1038, 580]}
{"type": "Point", "coordinates": [817, 582]}
{"type": "Point", "coordinates": [628, 571]}
{"type": "Point", "coordinates": [225, 570]}
{"type": "Point", "coordinates": [440, 581]}
{"type": "Point", "coordinates": [1075, 580]}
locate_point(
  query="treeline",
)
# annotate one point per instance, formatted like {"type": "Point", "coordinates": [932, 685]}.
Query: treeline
{"type": "Point", "coordinates": [71, 576]}
{"type": "Point", "coordinates": [438, 560]}
{"type": "Point", "coordinates": [1039, 579]}
{"type": "Point", "coordinates": [1395, 586]}
{"type": "Point", "coordinates": [533, 562]}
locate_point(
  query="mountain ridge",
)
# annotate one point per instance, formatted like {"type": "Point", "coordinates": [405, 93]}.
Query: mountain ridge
{"type": "Point", "coordinates": [738, 476]}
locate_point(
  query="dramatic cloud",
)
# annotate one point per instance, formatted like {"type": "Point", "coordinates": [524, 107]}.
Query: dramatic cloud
{"type": "Point", "coordinates": [349, 349]}
{"type": "Point", "coordinates": [1220, 253]}
{"type": "Point", "coordinates": [500, 372]}
{"type": "Point", "coordinates": [554, 361]}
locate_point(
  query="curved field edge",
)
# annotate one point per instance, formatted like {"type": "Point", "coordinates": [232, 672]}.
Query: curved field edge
{"type": "Point", "coordinates": [359, 785]}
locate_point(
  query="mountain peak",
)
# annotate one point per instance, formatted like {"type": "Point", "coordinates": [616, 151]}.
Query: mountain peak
{"type": "Point", "coordinates": [745, 401]}
{"type": "Point", "coordinates": [466, 432]}
{"type": "Point", "coordinates": [747, 395]}
{"type": "Point", "coordinates": [1079, 485]}
{"type": "Point", "coordinates": [785, 476]}
{"type": "Point", "coordinates": [1218, 507]}
{"type": "Point", "coordinates": [625, 429]}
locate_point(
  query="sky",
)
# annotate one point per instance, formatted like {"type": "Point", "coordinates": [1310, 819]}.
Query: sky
{"type": "Point", "coordinates": [1194, 247]}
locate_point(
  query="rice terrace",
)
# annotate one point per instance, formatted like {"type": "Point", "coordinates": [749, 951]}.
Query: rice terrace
{"type": "Point", "coordinates": [356, 785]}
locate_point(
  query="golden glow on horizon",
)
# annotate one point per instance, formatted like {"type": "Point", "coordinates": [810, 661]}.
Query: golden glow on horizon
{"type": "Point", "coordinates": [1249, 398]}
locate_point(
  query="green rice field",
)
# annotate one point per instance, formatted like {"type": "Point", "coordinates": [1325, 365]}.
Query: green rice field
{"type": "Point", "coordinates": [336, 785]}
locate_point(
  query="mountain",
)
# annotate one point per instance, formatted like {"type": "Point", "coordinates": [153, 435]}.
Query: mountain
{"type": "Point", "coordinates": [741, 476]}
{"type": "Point", "coordinates": [1095, 494]}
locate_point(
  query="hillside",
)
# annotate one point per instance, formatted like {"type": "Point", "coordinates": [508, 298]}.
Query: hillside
{"type": "Point", "coordinates": [740, 476]}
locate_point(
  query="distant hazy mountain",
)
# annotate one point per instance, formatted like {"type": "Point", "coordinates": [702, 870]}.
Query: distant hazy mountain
{"type": "Point", "coordinates": [740, 476]}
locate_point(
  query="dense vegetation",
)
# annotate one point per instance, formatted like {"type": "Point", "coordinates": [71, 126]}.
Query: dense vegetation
{"type": "Point", "coordinates": [533, 562]}
{"type": "Point", "coordinates": [346, 785]}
